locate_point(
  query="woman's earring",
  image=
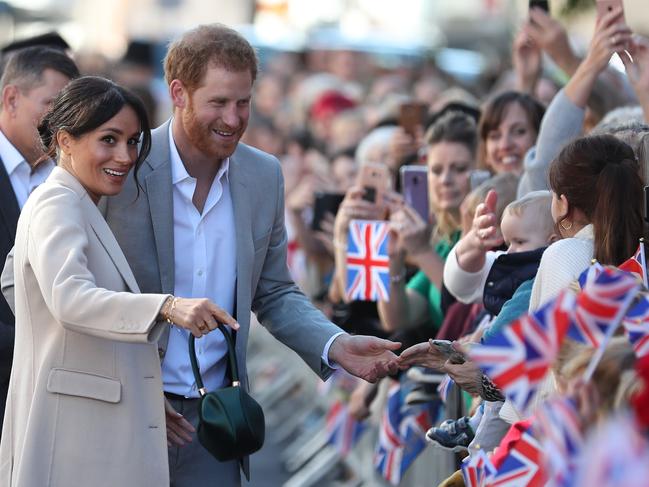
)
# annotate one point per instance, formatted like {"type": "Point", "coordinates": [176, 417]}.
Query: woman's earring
{"type": "Point", "coordinates": [565, 227]}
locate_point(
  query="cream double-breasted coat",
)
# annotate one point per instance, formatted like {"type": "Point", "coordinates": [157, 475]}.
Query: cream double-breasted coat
{"type": "Point", "coordinates": [85, 405]}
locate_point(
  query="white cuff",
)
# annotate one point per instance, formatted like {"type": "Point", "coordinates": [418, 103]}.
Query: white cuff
{"type": "Point", "coordinates": [467, 287]}
{"type": "Point", "coordinates": [325, 352]}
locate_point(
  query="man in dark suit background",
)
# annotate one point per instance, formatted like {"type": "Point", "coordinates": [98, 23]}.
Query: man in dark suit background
{"type": "Point", "coordinates": [31, 79]}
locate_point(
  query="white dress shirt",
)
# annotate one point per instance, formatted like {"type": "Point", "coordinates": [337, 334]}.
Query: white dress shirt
{"type": "Point", "coordinates": [205, 257]}
{"type": "Point", "coordinates": [23, 179]}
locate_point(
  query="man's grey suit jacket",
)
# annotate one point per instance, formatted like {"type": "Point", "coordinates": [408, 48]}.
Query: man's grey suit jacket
{"type": "Point", "coordinates": [143, 226]}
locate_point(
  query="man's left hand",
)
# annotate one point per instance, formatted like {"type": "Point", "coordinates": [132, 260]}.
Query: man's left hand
{"type": "Point", "coordinates": [367, 357]}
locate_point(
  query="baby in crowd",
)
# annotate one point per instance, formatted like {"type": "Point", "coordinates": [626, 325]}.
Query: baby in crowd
{"type": "Point", "coordinates": [474, 272]}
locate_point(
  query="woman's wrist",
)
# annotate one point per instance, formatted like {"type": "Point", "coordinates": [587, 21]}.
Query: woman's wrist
{"type": "Point", "coordinates": [398, 278]}
{"type": "Point", "coordinates": [168, 309]}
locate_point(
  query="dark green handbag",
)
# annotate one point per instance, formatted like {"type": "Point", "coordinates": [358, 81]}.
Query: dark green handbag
{"type": "Point", "coordinates": [230, 422]}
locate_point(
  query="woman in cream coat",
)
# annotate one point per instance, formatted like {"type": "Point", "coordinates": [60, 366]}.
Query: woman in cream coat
{"type": "Point", "coordinates": [85, 404]}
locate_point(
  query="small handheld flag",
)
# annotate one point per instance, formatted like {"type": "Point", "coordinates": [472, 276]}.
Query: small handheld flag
{"type": "Point", "coordinates": [368, 273]}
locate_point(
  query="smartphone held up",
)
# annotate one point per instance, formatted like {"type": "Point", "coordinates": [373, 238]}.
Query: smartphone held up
{"type": "Point", "coordinates": [606, 6]}
{"type": "Point", "coordinates": [541, 4]}
{"type": "Point", "coordinates": [411, 116]}
{"type": "Point", "coordinates": [414, 185]}
{"type": "Point", "coordinates": [374, 178]}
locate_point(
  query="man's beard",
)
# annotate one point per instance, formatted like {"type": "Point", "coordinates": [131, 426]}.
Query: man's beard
{"type": "Point", "coordinates": [202, 137]}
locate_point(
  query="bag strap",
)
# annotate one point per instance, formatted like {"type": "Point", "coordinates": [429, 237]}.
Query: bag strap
{"type": "Point", "coordinates": [232, 359]}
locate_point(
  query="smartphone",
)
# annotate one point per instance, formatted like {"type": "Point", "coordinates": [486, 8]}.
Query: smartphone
{"type": "Point", "coordinates": [446, 348]}
{"type": "Point", "coordinates": [542, 4]}
{"type": "Point", "coordinates": [411, 115]}
{"type": "Point", "coordinates": [606, 6]}
{"type": "Point", "coordinates": [414, 186]}
{"type": "Point", "coordinates": [325, 203]}
{"type": "Point", "coordinates": [375, 179]}
{"type": "Point", "coordinates": [477, 177]}
{"type": "Point", "coordinates": [646, 204]}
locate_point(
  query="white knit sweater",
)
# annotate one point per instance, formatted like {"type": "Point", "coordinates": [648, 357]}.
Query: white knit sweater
{"type": "Point", "coordinates": [561, 265]}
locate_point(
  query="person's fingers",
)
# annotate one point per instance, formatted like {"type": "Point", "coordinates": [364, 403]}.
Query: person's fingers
{"type": "Point", "coordinates": [371, 377]}
{"type": "Point", "coordinates": [487, 233]}
{"type": "Point", "coordinates": [449, 368]}
{"type": "Point", "coordinates": [353, 193]}
{"type": "Point", "coordinates": [415, 350]}
{"type": "Point", "coordinates": [483, 222]}
{"type": "Point", "coordinates": [393, 368]}
{"type": "Point", "coordinates": [380, 369]}
{"type": "Point", "coordinates": [459, 347]}
{"type": "Point", "coordinates": [179, 430]}
{"type": "Point", "coordinates": [222, 316]}
{"type": "Point", "coordinates": [480, 210]}
{"type": "Point", "coordinates": [540, 17]}
{"type": "Point", "coordinates": [491, 200]}
{"type": "Point", "coordinates": [173, 438]}
{"type": "Point", "coordinates": [609, 18]}
{"type": "Point", "coordinates": [412, 215]}
{"type": "Point", "coordinates": [211, 323]}
{"type": "Point", "coordinates": [381, 343]}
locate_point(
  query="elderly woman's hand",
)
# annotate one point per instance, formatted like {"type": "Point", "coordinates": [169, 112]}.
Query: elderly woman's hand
{"type": "Point", "coordinates": [468, 376]}
{"type": "Point", "coordinates": [423, 354]}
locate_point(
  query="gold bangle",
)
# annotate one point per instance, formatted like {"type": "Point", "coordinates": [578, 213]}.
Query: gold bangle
{"type": "Point", "coordinates": [169, 314]}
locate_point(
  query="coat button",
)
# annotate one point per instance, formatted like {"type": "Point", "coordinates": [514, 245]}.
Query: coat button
{"type": "Point", "coordinates": [490, 284]}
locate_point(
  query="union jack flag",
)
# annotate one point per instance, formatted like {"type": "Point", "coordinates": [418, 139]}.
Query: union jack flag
{"type": "Point", "coordinates": [602, 304]}
{"type": "Point", "coordinates": [477, 470]}
{"type": "Point", "coordinates": [368, 275]}
{"type": "Point", "coordinates": [402, 434]}
{"type": "Point", "coordinates": [636, 323]}
{"type": "Point", "coordinates": [517, 359]}
{"type": "Point", "coordinates": [615, 455]}
{"type": "Point", "coordinates": [523, 466]}
{"type": "Point", "coordinates": [444, 388]}
{"type": "Point", "coordinates": [590, 274]}
{"type": "Point", "coordinates": [637, 264]}
{"type": "Point", "coordinates": [343, 430]}
{"type": "Point", "coordinates": [559, 428]}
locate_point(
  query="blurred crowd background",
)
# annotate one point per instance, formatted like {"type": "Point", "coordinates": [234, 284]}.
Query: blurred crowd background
{"type": "Point", "coordinates": [332, 95]}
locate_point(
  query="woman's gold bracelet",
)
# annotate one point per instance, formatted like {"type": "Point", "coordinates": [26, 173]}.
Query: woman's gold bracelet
{"type": "Point", "coordinates": [168, 315]}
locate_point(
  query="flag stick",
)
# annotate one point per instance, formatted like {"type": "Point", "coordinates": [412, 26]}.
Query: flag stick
{"type": "Point", "coordinates": [588, 374]}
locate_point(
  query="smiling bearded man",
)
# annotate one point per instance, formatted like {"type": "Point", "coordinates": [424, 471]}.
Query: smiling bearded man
{"type": "Point", "coordinates": [180, 237]}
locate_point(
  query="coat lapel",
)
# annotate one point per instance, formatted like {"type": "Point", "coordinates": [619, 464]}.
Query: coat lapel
{"type": "Point", "coordinates": [245, 249]}
{"type": "Point", "coordinates": [99, 226]}
{"type": "Point", "coordinates": [160, 196]}
{"type": "Point", "coordinates": [107, 239]}
{"type": "Point", "coordinates": [9, 208]}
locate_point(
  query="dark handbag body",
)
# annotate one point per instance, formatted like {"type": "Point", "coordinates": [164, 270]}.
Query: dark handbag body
{"type": "Point", "coordinates": [230, 422]}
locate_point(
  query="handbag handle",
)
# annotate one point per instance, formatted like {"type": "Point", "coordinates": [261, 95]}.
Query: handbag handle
{"type": "Point", "coordinates": [231, 357]}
